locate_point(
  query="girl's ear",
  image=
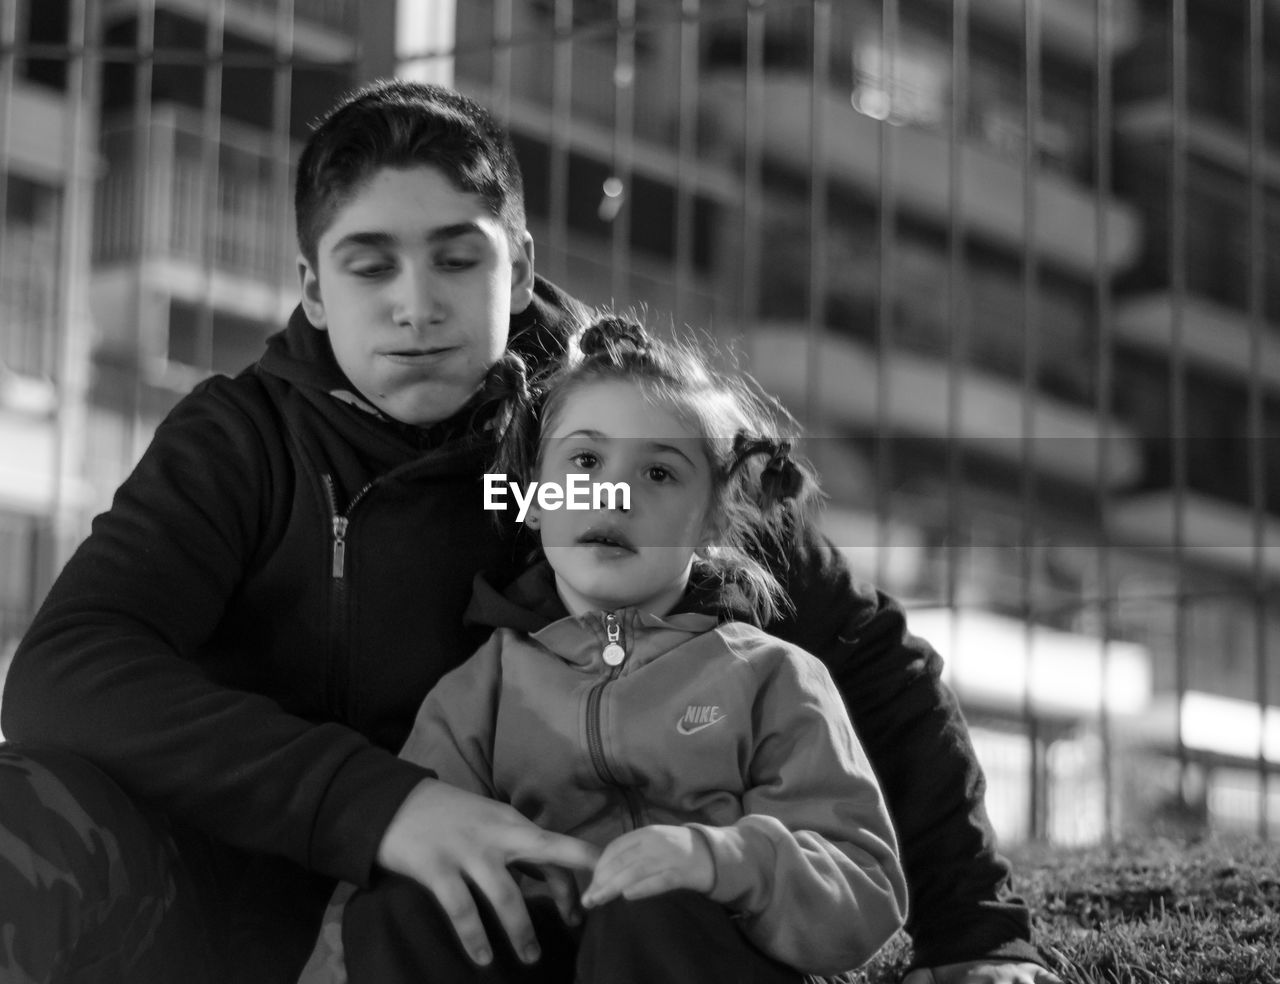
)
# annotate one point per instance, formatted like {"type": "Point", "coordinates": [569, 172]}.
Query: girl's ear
{"type": "Point", "coordinates": [534, 519]}
{"type": "Point", "coordinates": [711, 533]}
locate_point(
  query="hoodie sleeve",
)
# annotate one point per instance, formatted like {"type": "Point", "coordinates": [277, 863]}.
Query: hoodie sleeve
{"type": "Point", "coordinates": [915, 736]}
{"type": "Point", "coordinates": [453, 732]}
{"type": "Point", "coordinates": [812, 867]}
{"type": "Point", "coordinates": [108, 669]}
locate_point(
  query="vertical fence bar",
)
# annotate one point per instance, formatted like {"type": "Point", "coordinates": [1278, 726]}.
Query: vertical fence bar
{"type": "Point", "coordinates": [624, 93]}
{"type": "Point", "coordinates": [281, 135]}
{"type": "Point", "coordinates": [887, 240]}
{"type": "Point", "coordinates": [500, 93]}
{"type": "Point", "coordinates": [819, 260]}
{"type": "Point", "coordinates": [145, 197]}
{"type": "Point", "coordinates": [211, 175]}
{"type": "Point", "coordinates": [1177, 365]}
{"type": "Point", "coordinates": [1103, 120]}
{"type": "Point", "coordinates": [1256, 428]}
{"type": "Point", "coordinates": [8, 56]}
{"type": "Point", "coordinates": [558, 149]}
{"type": "Point", "coordinates": [1030, 375]}
{"type": "Point", "coordinates": [752, 159]}
{"type": "Point", "coordinates": [957, 543]}
{"type": "Point", "coordinates": [73, 320]}
{"type": "Point", "coordinates": [686, 151]}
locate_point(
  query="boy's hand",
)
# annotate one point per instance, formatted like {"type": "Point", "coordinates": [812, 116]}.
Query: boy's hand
{"type": "Point", "coordinates": [650, 861]}
{"type": "Point", "coordinates": [456, 843]}
{"type": "Point", "coordinates": [983, 972]}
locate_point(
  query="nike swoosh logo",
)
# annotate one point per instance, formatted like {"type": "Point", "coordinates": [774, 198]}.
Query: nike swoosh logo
{"type": "Point", "coordinates": [685, 729]}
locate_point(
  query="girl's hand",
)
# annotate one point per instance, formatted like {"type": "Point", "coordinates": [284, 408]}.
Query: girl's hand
{"type": "Point", "coordinates": [650, 861]}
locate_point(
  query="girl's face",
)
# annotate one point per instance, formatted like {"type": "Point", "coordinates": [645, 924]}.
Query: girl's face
{"type": "Point", "coordinates": [610, 558]}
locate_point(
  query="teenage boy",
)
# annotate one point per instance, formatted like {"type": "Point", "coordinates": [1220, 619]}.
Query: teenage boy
{"type": "Point", "coordinates": [205, 712]}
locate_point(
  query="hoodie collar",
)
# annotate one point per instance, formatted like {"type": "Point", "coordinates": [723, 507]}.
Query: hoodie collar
{"type": "Point", "coordinates": [530, 604]}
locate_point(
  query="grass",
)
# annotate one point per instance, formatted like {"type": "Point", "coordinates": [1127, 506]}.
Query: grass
{"type": "Point", "coordinates": [1156, 912]}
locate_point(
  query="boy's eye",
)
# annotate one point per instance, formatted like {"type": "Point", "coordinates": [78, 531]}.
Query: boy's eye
{"type": "Point", "coordinates": [369, 268]}
{"type": "Point", "coordinates": [456, 261]}
{"type": "Point", "coordinates": [659, 473]}
{"type": "Point", "coordinates": [584, 460]}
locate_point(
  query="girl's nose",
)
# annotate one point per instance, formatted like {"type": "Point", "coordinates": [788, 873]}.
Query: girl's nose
{"type": "Point", "coordinates": [617, 496]}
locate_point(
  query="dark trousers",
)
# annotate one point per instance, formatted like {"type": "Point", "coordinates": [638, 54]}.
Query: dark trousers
{"type": "Point", "coordinates": [395, 932]}
{"type": "Point", "coordinates": [95, 889]}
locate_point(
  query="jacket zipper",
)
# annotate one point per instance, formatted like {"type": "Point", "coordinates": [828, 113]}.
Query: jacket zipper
{"type": "Point", "coordinates": [340, 654]}
{"type": "Point", "coordinates": [339, 522]}
{"type": "Point", "coordinates": [615, 655]}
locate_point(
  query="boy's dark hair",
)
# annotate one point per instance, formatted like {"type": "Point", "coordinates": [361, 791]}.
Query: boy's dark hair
{"type": "Point", "coordinates": [399, 123]}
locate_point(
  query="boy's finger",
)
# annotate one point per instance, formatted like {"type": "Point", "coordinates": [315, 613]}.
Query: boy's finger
{"type": "Point", "coordinates": [564, 892]}
{"type": "Point", "coordinates": [533, 844]}
{"type": "Point", "coordinates": [460, 909]}
{"type": "Point", "coordinates": [508, 906]}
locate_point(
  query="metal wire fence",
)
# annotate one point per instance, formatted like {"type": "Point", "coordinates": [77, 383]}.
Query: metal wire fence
{"type": "Point", "coordinates": [1012, 262]}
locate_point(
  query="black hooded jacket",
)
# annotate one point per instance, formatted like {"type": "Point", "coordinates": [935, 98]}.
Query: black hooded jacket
{"type": "Point", "coordinates": [245, 636]}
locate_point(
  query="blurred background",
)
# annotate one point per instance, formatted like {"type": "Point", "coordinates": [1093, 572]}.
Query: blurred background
{"type": "Point", "coordinates": [1014, 263]}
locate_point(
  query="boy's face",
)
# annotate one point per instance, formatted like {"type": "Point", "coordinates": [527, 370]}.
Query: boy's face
{"type": "Point", "coordinates": [415, 283]}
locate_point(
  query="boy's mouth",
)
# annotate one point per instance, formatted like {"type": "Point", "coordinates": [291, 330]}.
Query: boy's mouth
{"type": "Point", "coordinates": [606, 536]}
{"type": "Point", "coordinates": [417, 354]}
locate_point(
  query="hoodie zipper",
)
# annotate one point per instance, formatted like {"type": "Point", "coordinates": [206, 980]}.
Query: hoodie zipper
{"type": "Point", "coordinates": [340, 654]}
{"type": "Point", "coordinates": [615, 655]}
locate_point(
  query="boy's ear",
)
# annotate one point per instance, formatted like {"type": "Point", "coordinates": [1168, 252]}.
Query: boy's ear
{"type": "Point", "coordinates": [522, 274]}
{"type": "Point", "coordinates": [312, 302]}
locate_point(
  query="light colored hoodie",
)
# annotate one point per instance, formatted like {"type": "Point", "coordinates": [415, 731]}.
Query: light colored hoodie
{"type": "Point", "coordinates": [718, 726]}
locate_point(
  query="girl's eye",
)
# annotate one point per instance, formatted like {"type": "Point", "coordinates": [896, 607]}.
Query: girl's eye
{"type": "Point", "coordinates": [659, 473]}
{"type": "Point", "coordinates": [585, 460]}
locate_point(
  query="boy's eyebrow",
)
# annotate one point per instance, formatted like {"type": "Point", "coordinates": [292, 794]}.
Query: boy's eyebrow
{"type": "Point", "coordinates": [379, 239]}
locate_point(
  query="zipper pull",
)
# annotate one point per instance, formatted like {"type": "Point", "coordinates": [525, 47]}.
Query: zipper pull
{"type": "Point", "coordinates": [613, 653]}
{"type": "Point", "coordinates": [339, 545]}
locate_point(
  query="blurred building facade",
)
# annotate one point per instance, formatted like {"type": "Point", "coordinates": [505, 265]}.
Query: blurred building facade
{"type": "Point", "coordinates": [1011, 263]}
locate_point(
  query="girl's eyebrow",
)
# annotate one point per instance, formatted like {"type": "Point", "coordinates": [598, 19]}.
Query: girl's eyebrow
{"type": "Point", "coordinates": [671, 449]}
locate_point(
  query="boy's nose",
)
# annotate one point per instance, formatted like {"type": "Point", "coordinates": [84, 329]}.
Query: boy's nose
{"type": "Point", "coordinates": [417, 299]}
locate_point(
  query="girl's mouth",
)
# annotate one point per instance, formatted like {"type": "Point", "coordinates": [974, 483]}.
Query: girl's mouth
{"type": "Point", "coordinates": [606, 537]}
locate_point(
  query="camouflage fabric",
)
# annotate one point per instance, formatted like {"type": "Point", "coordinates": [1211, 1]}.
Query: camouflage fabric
{"type": "Point", "coordinates": [89, 883]}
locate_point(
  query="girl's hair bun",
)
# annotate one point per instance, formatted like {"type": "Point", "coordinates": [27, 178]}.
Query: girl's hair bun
{"type": "Point", "coordinates": [613, 336]}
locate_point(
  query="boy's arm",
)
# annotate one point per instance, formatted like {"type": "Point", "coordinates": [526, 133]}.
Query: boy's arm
{"type": "Point", "coordinates": [811, 867]}
{"type": "Point", "coordinates": [453, 732]}
{"type": "Point", "coordinates": [106, 669]}
{"type": "Point", "coordinates": [913, 732]}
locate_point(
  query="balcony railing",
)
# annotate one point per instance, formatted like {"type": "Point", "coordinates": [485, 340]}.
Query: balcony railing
{"type": "Point", "coordinates": [28, 302]}
{"type": "Point", "coordinates": [230, 214]}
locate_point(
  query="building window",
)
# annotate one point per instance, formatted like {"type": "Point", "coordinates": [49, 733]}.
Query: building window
{"type": "Point", "coordinates": [29, 276]}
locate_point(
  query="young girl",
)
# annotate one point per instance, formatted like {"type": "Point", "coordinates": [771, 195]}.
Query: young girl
{"type": "Point", "coordinates": [626, 698]}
